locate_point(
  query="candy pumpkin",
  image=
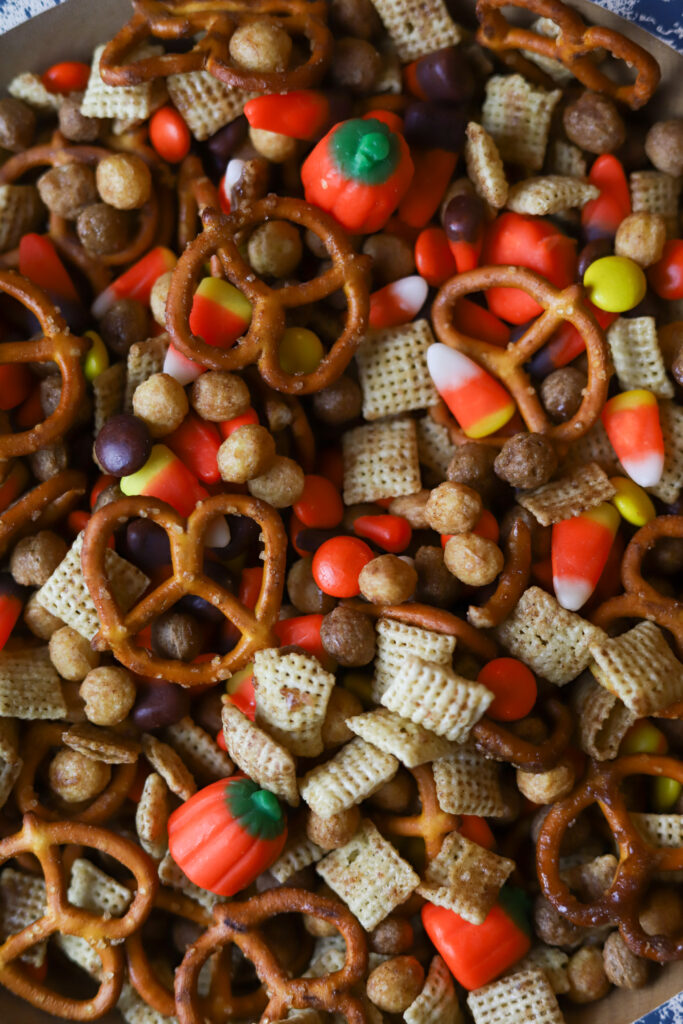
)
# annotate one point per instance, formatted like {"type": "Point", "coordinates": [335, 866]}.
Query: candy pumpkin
{"type": "Point", "coordinates": [358, 172]}
{"type": "Point", "coordinates": [225, 835]}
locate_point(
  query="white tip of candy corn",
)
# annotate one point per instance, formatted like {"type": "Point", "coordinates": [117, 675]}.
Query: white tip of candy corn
{"type": "Point", "coordinates": [217, 533]}
{"type": "Point", "coordinates": [179, 366]}
{"type": "Point", "coordinates": [102, 303]}
{"type": "Point", "coordinates": [572, 594]}
{"type": "Point", "coordinates": [450, 369]}
{"type": "Point", "coordinates": [410, 292]}
{"type": "Point", "coordinates": [646, 470]}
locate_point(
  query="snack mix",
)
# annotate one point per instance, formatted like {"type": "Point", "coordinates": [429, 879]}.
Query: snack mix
{"type": "Point", "coordinates": [341, 459]}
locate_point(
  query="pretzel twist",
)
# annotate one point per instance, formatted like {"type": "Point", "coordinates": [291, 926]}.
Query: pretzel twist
{"type": "Point", "coordinates": [40, 507]}
{"type": "Point", "coordinates": [216, 21]}
{"type": "Point", "coordinates": [507, 363]}
{"type": "Point", "coordinates": [223, 237]}
{"type": "Point", "coordinates": [57, 345]}
{"type": "Point", "coordinates": [574, 46]}
{"type": "Point", "coordinates": [42, 839]}
{"type": "Point", "coordinates": [639, 861]}
{"type": "Point", "coordinates": [512, 581]}
{"type": "Point", "coordinates": [238, 923]}
{"type": "Point", "coordinates": [118, 631]}
{"type": "Point", "coordinates": [432, 824]}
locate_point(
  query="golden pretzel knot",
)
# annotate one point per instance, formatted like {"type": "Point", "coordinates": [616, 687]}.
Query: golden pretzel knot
{"type": "Point", "coordinates": [40, 507]}
{"type": "Point", "coordinates": [641, 600]}
{"type": "Point", "coordinates": [118, 632]}
{"type": "Point", "coordinates": [57, 345]}
{"type": "Point", "coordinates": [639, 860]}
{"type": "Point", "coordinates": [223, 237]}
{"type": "Point", "coordinates": [104, 934]}
{"type": "Point", "coordinates": [573, 47]}
{"type": "Point", "coordinates": [432, 824]}
{"type": "Point", "coordinates": [214, 22]}
{"type": "Point", "coordinates": [507, 363]}
{"type": "Point", "coordinates": [238, 923]}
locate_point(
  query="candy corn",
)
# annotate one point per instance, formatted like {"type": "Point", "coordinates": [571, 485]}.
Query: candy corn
{"type": "Point", "coordinates": [479, 403]}
{"type": "Point", "coordinates": [399, 302]}
{"type": "Point", "coordinates": [579, 551]}
{"type": "Point", "coordinates": [566, 343]}
{"type": "Point", "coordinates": [601, 217]}
{"type": "Point", "coordinates": [177, 365]}
{"type": "Point", "coordinates": [196, 443]}
{"type": "Point", "coordinates": [11, 605]}
{"type": "Point", "coordinates": [137, 281]}
{"type": "Point", "coordinates": [220, 313]}
{"type": "Point", "coordinates": [301, 114]}
{"type": "Point", "coordinates": [13, 484]}
{"type": "Point", "coordinates": [631, 420]}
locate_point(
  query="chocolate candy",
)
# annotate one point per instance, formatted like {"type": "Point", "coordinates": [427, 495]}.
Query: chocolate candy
{"type": "Point", "coordinates": [123, 445]}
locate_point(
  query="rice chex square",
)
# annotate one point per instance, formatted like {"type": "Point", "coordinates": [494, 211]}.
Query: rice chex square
{"type": "Point", "coordinates": [637, 357]}
{"type": "Point", "coordinates": [465, 878]}
{"type": "Point", "coordinates": [602, 720]}
{"type": "Point", "coordinates": [94, 890]}
{"type": "Point", "coordinates": [552, 961]}
{"type": "Point", "coordinates": [9, 773]}
{"type": "Point", "coordinates": [485, 167]}
{"type": "Point", "coordinates": [579, 491]}
{"type": "Point", "coordinates": [434, 446]}
{"type": "Point", "coordinates": [655, 192]}
{"type": "Point", "coordinates": [199, 750]}
{"type": "Point", "coordinates": [393, 372]}
{"type": "Point", "coordinates": [29, 685]}
{"type": "Point", "coordinates": [417, 27]}
{"type": "Point", "coordinates": [437, 1003]}
{"type": "Point", "coordinates": [292, 691]}
{"type": "Point", "coordinates": [21, 210]}
{"type": "Point", "coordinates": [665, 830]}
{"type": "Point", "coordinates": [671, 482]}
{"type": "Point", "coordinates": [380, 461]}
{"type": "Point", "coordinates": [299, 853]}
{"type": "Point", "coordinates": [523, 996]}
{"type": "Point", "coordinates": [639, 668]}
{"type": "Point", "coordinates": [468, 783]}
{"type": "Point", "coordinates": [258, 755]}
{"type": "Point", "coordinates": [151, 816]}
{"type": "Point", "coordinates": [127, 103]}
{"type": "Point", "coordinates": [397, 641]}
{"type": "Point", "coordinates": [206, 104]}
{"type": "Point", "coordinates": [22, 902]}
{"type": "Point", "coordinates": [411, 744]}
{"type": "Point", "coordinates": [144, 359]}
{"type": "Point", "coordinates": [517, 115]}
{"type": "Point", "coordinates": [355, 772]}
{"type": "Point", "coordinates": [108, 388]}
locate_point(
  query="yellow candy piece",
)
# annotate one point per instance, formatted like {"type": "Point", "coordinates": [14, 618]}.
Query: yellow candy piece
{"type": "Point", "coordinates": [615, 283]}
{"type": "Point", "coordinates": [631, 501]}
{"type": "Point", "coordinates": [665, 793]}
{"type": "Point", "coordinates": [300, 350]}
{"type": "Point", "coordinates": [96, 358]}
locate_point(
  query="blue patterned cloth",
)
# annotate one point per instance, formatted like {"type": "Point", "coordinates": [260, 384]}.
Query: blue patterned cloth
{"type": "Point", "coordinates": [670, 1012]}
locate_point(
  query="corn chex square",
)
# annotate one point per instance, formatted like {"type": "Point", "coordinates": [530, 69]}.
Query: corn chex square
{"type": "Point", "coordinates": [128, 103]}
{"type": "Point", "coordinates": [101, 744]}
{"type": "Point", "coordinates": [299, 853]}
{"type": "Point", "coordinates": [549, 194]}
{"type": "Point", "coordinates": [636, 355]}
{"type": "Point", "coordinates": [29, 685]}
{"type": "Point", "coordinates": [94, 890]}
{"type": "Point", "coordinates": [9, 773]}
{"type": "Point", "coordinates": [437, 1003]}
{"type": "Point", "coordinates": [329, 954]}
{"type": "Point", "coordinates": [108, 388]}
{"type": "Point", "coordinates": [467, 783]}
{"type": "Point", "coordinates": [671, 482]}
{"type": "Point", "coordinates": [593, 447]}
{"type": "Point", "coordinates": [552, 961]}
{"type": "Point", "coordinates": [292, 692]}
{"type": "Point", "coordinates": [151, 816]}
{"type": "Point", "coordinates": [9, 740]}
{"type": "Point", "coordinates": [393, 372]}
{"type": "Point", "coordinates": [198, 750]}
{"type": "Point", "coordinates": [639, 668]}
{"type": "Point", "coordinates": [411, 744]}
{"type": "Point", "coordinates": [397, 641]}
{"type": "Point", "coordinates": [434, 446]}
{"type": "Point", "coordinates": [564, 158]}
{"type": "Point", "coordinates": [602, 720]}
{"type": "Point", "coordinates": [259, 755]}
{"type": "Point", "coordinates": [417, 27]}
{"type": "Point", "coordinates": [170, 766]}
{"type": "Point", "coordinates": [369, 876]}
{"type": "Point", "coordinates": [438, 698]}
{"type": "Point", "coordinates": [28, 87]}
{"type": "Point", "coordinates": [523, 996]}
{"type": "Point", "coordinates": [355, 772]}
{"type": "Point", "coordinates": [21, 210]}
{"type": "Point", "coordinates": [517, 115]}
{"type": "Point", "coordinates": [144, 359]}
{"type": "Point", "coordinates": [205, 103]}
{"type": "Point", "coordinates": [380, 461]}
{"type": "Point", "coordinates": [553, 642]}
{"type": "Point", "coordinates": [80, 953]}
{"type": "Point", "coordinates": [655, 192]}
{"type": "Point", "coordinates": [485, 167]}
{"type": "Point", "coordinates": [581, 490]}
{"type": "Point", "coordinates": [665, 830]}
{"type": "Point", "coordinates": [22, 902]}
{"type": "Point", "coordinates": [66, 594]}
{"type": "Point", "coordinates": [465, 878]}
{"type": "Point", "coordinates": [135, 1010]}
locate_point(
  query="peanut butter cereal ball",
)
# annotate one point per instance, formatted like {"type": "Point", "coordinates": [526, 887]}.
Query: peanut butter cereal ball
{"type": "Point", "coordinates": [261, 46]}
{"type": "Point", "coordinates": [435, 584]}
{"type": "Point", "coordinates": [68, 189]}
{"type": "Point", "coordinates": [593, 123]}
{"type": "Point", "coordinates": [396, 794]}
{"type": "Point", "coordinates": [392, 936]}
{"type": "Point", "coordinates": [473, 560]}
{"type": "Point", "coordinates": [49, 461]}
{"type": "Point", "coordinates": [247, 453]}
{"type": "Point", "coordinates": [392, 258]}
{"type": "Point", "coordinates": [395, 984]}
{"type": "Point", "coordinates": [124, 181]}
{"type": "Point", "coordinates": [281, 485]}
{"type": "Point", "coordinates": [562, 391]}
{"type": "Point", "coordinates": [177, 635]}
{"type": "Point", "coordinates": [109, 694]}
{"type": "Point", "coordinates": [102, 230]}
{"type": "Point", "coordinates": [586, 976]}
{"type": "Point", "coordinates": [472, 464]}
{"type": "Point", "coordinates": [17, 124]}
{"type": "Point", "coordinates": [304, 592]}
{"type": "Point", "coordinates": [71, 654]}
{"type": "Point", "coordinates": [335, 831]}
{"type": "Point", "coordinates": [413, 508]}
{"type": "Point", "coordinates": [348, 636]}
{"type": "Point", "coordinates": [526, 461]}
{"type": "Point", "coordinates": [217, 395]}
{"type": "Point", "coordinates": [272, 145]}
{"type": "Point", "coordinates": [35, 558]}
{"type": "Point", "coordinates": [641, 237]}
{"type": "Point", "coordinates": [275, 249]}
{"type": "Point", "coordinates": [342, 705]}
{"type": "Point", "coordinates": [339, 402]}
{"type": "Point", "coordinates": [387, 579]}
{"type": "Point", "coordinates": [453, 508]}
{"type": "Point", "coordinates": [662, 912]}
{"type": "Point", "coordinates": [73, 125]}
{"type": "Point", "coordinates": [158, 297]}
{"type": "Point", "coordinates": [664, 146]}
{"type": "Point", "coordinates": [355, 65]}
{"type": "Point", "coordinates": [546, 787]}
{"type": "Point", "coordinates": [39, 620]}
{"type": "Point", "coordinates": [161, 403]}
{"type": "Point", "coordinates": [552, 928]}
{"type": "Point", "coordinates": [355, 18]}
{"type": "Point", "coordinates": [124, 324]}
{"type": "Point", "coordinates": [74, 777]}
{"type": "Point", "coordinates": [622, 967]}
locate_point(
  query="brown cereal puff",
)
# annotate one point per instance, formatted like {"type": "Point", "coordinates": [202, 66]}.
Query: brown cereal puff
{"type": "Point", "coordinates": [72, 655]}
{"type": "Point", "coordinates": [349, 636]}
{"type": "Point", "coordinates": [281, 485]}
{"type": "Point", "coordinates": [546, 787]}
{"type": "Point", "coordinates": [74, 777]}
{"type": "Point", "coordinates": [73, 125]}
{"type": "Point", "coordinates": [593, 122]}
{"type": "Point", "coordinates": [123, 181]}
{"type": "Point", "coordinates": [664, 146]}
{"type": "Point", "coordinates": [339, 402]}
{"type": "Point", "coordinates": [306, 595]}
{"type": "Point", "coordinates": [335, 831]}
{"type": "Point", "coordinates": [392, 257]}
{"type": "Point", "coordinates": [158, 297]}
{"type": "Point", "coordinates": [526, 461]}
{"type": "Point", "coordinates": [412, 507]}
{"type": "Point", "coordinates": [395, 984]}
{"type": "Point", "coordinates": [102, 230]}
{"type": "Point", "coordinates": [641, 238]}
{"type": "Point", "coordinates": [125, 325]}
{"type": "Point", "coordinates": [472, 559]}
{"type": "Point", "coordinates": [355, 65]}
{"type": "Point", "coordinates": [17, 124]}
{"type": "Point", "coordinates": [109, 694]}
{"type": "Point", "coordinates": [387, 580]}
{"type": "Point", "coordinates": [342, 705]}
{"type": "Point", "coordinates": [472, 464]}
{"type": "Point", "coordinates": [453, 508]}
{"type": "Point", "coordinates": [552, 927]}
{"type": "Point", "coordinates": [622, 967]}
{"type": "Point", "coordinates": [275, 249]}
{"type": "Point", "coordinates": [261, 45]}
{"type": "Point", "coordinates": [662, 911]}
{"type": "Point", "coordinates": [161, 403]}
{"type": "Point", "coordinates": [562, 392]}
{"type": "Point", "coordinates": [217, 395]}
{"type": "Point", "coordinates": [247, 453]}
{"type": "Point", "coordinates": [68, 189]}
{"type": "Point", "coordinates": [35, 558]}
{"type": "Point", "coordinates": [586, 976]}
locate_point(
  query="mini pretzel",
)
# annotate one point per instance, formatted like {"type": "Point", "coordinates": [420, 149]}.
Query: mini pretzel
{"type": "Point", "coordinates": [118, 632]}
{"type": "Point", "coordinates": [639, 861]}
{"type": "Point", "coordinates": [573, 47]}
{"type": "Point", "coordinates": [104, 934]}
{"type": "Point", "coordinates": [41, 507]}
{"type": "Point", "coordinates": [432, 824]}
{"type": "Point", "coordinates": [512, 581]}
{"type": "Point", "coordinates": [641, 600]}
{"type": "Point", "coordinates": [215, 21]}
{"type": "Point", "coordinates": [57, 345]}
{"type": "Point", "coordinates": [223, 237]}
{"type": "Point", "coordinates": [40, 738]}
{"type": "Point", "coordinates": [220, 1003]}
{"type": "Point", "coordinates": [238, 923]}
{"type": "Point", "coordinates": [507, 363]}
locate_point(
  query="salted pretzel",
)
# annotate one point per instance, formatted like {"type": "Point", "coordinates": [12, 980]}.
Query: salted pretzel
{"type": "Point", "coordinates": [41, 507]}
{"type": "Point", "coordinates": [104, 934]}
{"type": "Point", "coordinates": [641, 600]}
{"type": "Point", "coordinates": [507, 363]}
{"type": "Point", "coordinates": [432, 824]}
{"type": "Point", "coordinates": [118, 631]}
{"type": "Point", "coordinates": [209, 25]}
{"type": "Point", "coordinates": [57, 345]}
{"type": "Point", "coordinates": [220, 1003]}
{"type": "Point", "coordinates": [239, 923]}
{"type": "Point", "coordinates": [512, 581]}
{"type": "Point", "coordinates": [42, 737]}
{"type": "Point", "coordinates": [574, 46]}
{"type": "Point", "coordinates": [440, 414]}
{"type": "Point", "coordinates": [223, 237]}
{"type": "Point", "coordinates": [639, 860]}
